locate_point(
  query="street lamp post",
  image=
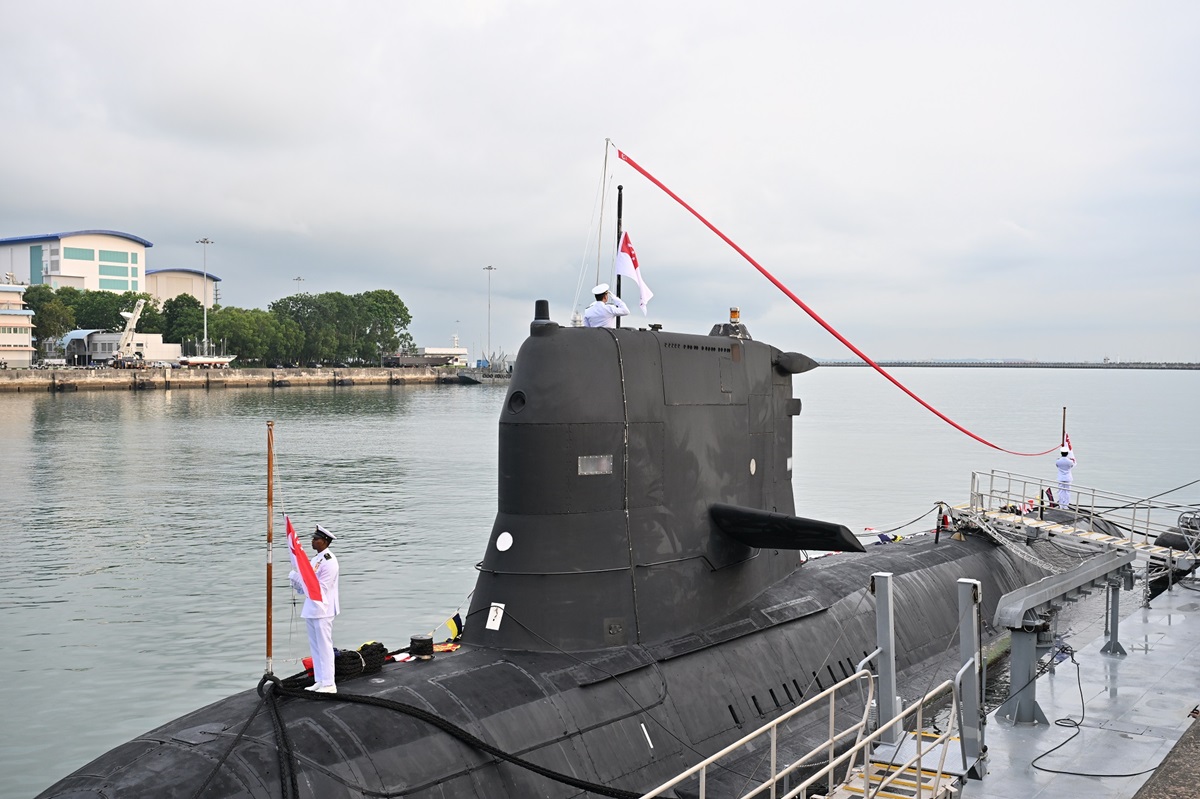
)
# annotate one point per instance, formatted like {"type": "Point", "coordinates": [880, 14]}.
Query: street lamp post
{"type": "Point", "coordinates": [204, 242]}
{"type": "Point", "coordinates": [489, 269]}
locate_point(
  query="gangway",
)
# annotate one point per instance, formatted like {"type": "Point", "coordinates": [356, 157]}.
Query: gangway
{"type": "Point", "coordinates": [1011, 506]}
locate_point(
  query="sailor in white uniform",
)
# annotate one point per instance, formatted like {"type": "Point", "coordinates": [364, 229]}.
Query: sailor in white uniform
{"type": "Point", "coordinates": [605, 310]}
{"type": "Point", "coordinates": [1065, 464]}
{"type": "Point", "coordinates": [319, 615]}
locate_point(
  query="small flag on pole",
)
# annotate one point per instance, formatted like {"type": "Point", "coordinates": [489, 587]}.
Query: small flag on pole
{"type": "Point", "coordinates": [1070, 449]}
{"type": "Point", "coordinates": [312, 586]}
{"type": "Point", "coordinates": [456, 626]}
{"type": "Point", "coordinates": [627, 265]}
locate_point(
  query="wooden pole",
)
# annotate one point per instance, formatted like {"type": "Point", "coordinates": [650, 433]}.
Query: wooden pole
{"type": "Point", "coordinates": [270, 529]}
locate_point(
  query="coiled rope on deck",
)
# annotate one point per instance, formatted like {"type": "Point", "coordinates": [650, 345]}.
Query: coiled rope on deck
{"type": "Point", "coordinates": [816, 318]}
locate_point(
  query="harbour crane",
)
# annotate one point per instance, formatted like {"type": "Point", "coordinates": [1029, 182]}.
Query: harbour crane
{"type": "Point", "coordinates": [124, 357]}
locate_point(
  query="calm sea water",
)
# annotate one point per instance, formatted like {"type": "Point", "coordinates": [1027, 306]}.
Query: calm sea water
{"type": "Point", "coordinates": [135, 523]}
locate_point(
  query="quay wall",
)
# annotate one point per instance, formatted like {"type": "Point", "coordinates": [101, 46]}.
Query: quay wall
{"type": "Point", "coordinates": [31, 380]}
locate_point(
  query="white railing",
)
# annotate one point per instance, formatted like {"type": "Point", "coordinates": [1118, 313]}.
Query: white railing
{"type": "Point", "coordinates": [861, 748]}
{"type": "Point", "coordinates": [1142, 519]}
{"type": "Point", "coordinates": [836, 737]}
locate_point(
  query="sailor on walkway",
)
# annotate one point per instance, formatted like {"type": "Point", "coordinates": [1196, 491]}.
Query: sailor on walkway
{"type": "Point", "coordinates": [1065, 464]}
{"type": "Point", "coordinates": [605, 310]}
{"type": "Point", "coordinates": [319, 614]}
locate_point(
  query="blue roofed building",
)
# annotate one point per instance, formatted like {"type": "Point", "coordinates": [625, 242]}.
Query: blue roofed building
{"type": "Point", "coordinates": [96, 260]}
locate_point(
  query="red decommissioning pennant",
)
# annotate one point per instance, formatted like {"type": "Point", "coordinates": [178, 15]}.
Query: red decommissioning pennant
{"type": "Point", "coordinates": [312, 586]}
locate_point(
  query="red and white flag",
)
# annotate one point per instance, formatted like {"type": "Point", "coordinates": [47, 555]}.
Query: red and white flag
{"type": "Point", "coordinates": [300, 562]}
{"type": "Point", "coordinates": [627, 265]}
{"type": "Point", "coordinates": [1070, 449]}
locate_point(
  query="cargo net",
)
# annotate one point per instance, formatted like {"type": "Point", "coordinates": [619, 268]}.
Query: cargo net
{"type": "Point", "coordinates": [1049, 554]}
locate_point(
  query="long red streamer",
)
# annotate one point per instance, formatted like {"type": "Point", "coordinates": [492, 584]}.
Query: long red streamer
{"type": "Point", "coordinates": [816, 318]}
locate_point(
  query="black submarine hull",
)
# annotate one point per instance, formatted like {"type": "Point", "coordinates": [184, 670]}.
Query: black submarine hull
{"type": "Point", "coordinates": [620, 629]}
{"type": "Point", "coordinates": [628, 718]}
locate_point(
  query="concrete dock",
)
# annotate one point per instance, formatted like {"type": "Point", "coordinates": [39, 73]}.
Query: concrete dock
{"type": "Point", "coordinates": [68, 380]}
{"type": "Point", "coordinates": [1135, 715]}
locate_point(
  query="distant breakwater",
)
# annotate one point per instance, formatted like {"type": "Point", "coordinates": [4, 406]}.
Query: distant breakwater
{"type": "Point", "coordinates": [1022, 364]}
{"type": "Point", "coordinates": [67, 380]}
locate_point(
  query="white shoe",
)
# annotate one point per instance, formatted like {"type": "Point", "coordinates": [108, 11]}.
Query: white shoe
{"type": "Point", "coordinates": [326, 689]}
{"type": "Point", "coordinates": [313, 687]}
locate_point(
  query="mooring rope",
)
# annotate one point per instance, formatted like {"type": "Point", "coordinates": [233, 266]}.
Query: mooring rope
{"type": "Point", "coordinates": [816, 318]}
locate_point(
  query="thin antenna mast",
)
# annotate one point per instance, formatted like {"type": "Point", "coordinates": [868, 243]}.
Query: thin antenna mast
{"type": "Point", "coordinates": [603, 195]}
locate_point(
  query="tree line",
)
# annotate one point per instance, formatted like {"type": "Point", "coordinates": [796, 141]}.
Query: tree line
{"type": "Point", "coordinates": [328, 328]}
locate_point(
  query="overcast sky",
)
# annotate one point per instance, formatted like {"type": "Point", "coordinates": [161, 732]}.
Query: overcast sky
{"type": "Point", "coordinates": [936, 180]}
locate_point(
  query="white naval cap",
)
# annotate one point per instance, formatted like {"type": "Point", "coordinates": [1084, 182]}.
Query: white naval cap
{"type": "Point", "coordinates": [600, 289]}
{"type": "Point", "coordinates": [323, 533]}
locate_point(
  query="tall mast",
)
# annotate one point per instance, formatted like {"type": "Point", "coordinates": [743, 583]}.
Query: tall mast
{"type": "Point", "coordinates": [204, 242]}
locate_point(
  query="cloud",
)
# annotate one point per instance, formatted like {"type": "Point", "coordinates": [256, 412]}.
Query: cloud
{"type": "Point", "coordinates": [935, 180]}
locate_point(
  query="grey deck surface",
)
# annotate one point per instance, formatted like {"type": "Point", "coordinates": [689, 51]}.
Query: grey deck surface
{"type": "Point", "coordinates": [1135, 709]}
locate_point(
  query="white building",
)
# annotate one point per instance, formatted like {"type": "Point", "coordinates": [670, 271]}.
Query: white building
{"type": "Point", "coordinates": [84, 347]}
{"type": "Point", "coordinates": [167, 284]}
{"type": "Point", "coordinates": [96, 260]}
{"type": "Point", "coordinates": [16, 329]}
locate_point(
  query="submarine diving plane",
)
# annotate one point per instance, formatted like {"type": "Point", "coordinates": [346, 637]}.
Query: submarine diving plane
{"type": "Point", "coordinates": [645, 598]}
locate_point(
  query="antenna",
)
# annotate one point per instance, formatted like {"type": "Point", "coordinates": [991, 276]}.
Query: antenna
{"type": "Point", "coordinates": [298, 281]}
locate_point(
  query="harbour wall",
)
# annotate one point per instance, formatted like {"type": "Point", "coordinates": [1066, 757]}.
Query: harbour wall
{"type": "Point", "coordinates": [39, 380]}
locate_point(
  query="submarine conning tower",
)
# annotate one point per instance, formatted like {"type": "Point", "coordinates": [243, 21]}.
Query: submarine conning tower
{"type": "Point", "coordinates": [614, 446]}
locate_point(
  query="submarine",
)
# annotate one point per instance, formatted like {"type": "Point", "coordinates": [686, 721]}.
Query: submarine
{"type": "Point", "coordinates": [647, 595]}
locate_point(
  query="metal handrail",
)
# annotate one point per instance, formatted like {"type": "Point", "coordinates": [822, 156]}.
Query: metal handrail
{"type": "Point", "coordinates": [995, 490]}
{"type": "Point", "coordinates": [771, 728]}
{"type": "Point", "coordinates": [862, 746]}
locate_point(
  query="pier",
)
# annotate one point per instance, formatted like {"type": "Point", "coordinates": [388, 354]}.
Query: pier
{"type": "Point", "coordinates": [69, 380]}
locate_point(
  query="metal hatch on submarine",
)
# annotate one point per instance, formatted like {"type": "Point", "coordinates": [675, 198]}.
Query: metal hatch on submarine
{"type": "Point", "coordinates": [645, 598]}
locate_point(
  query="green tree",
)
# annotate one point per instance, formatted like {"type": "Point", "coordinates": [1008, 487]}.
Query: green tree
{"type": "Point", "coordinates": [52, 321]}
{"type": "Point", "coordinates": [183, 318]}
{"type": "Point", "coordinates": [100, 310]}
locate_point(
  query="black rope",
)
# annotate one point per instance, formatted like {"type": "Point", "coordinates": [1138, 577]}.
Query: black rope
{"type": "Point", "coordinates": [229, 751]}
{"type": "Point", "coordinates": [287, 768]}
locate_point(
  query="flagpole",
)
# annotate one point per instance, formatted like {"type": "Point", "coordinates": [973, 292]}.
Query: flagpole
{"type": "Point", "coordinates": [620, 207]}
{"type": "Point", "coordinates": [270, 529]}
{"type": "Point", "coordinates": [1064, 432]}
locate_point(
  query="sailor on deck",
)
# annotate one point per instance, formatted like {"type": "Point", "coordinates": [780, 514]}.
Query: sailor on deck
{"type": "Point", "coordinates": [318, 615]}
{"type": "Point", "coordinates": [1065, 464]}
{"type": "Point", "coordinates": [605, 310]}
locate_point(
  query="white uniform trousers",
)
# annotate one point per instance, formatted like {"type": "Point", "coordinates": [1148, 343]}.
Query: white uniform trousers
{"type": "Point", "coordinates": [320, 643]}
{"type": "Point", "coordinates": [1064, 493]}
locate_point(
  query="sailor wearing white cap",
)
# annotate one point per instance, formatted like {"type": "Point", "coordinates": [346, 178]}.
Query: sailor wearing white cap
{"type": "Point", "coordinates": [605, 310]}
{"type": "Point", "coordinates": [1065, 464]}
{"type": "Point", "coordinates": [318, 615]}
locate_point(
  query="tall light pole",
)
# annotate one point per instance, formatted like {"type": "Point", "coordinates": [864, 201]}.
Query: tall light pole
{"type": "Point", "coordinates": [297, 279]}
{"type": "Point", "coordinates": [204, 242]}
{"type": "Point", "coordinates": [489, 269]}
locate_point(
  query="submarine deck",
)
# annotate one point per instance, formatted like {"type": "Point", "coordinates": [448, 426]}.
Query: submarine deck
{"type": "Point", "coordinates": [1135, 709]}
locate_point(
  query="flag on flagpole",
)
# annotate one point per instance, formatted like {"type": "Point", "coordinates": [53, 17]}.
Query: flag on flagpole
{"type": "Point", "coordinates": [300, 562]}
{"type": "Point", "coordinates": [627, 265]}
{"type": "Point", "coordinates": [1070, 449]}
